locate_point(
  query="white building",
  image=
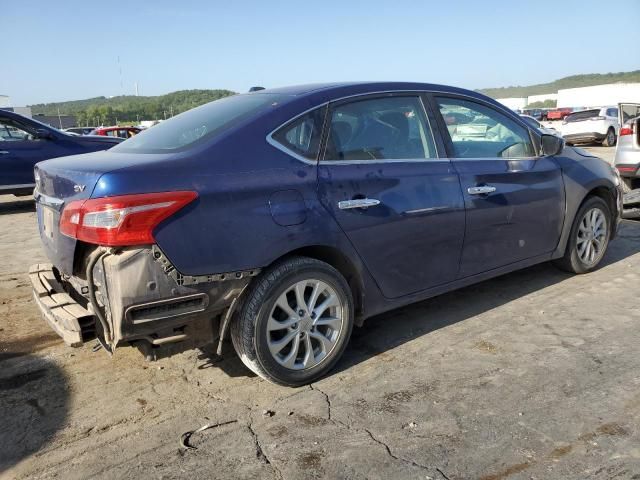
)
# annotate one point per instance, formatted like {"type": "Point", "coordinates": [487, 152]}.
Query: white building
{"type": "Point", "coordinates": [599, 95]}
{"type": "Point", "coordinates": [585, 97]}
{"type": "Point", "coordinates": [5, 101]}
{"type": "Point", "coordinates": [514, 103]}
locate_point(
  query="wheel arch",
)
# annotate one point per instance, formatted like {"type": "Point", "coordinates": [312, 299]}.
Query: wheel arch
{"type": "Point", "coordinates": [607, 194]}
{"type": "Point", "coordinates": [341, 262]}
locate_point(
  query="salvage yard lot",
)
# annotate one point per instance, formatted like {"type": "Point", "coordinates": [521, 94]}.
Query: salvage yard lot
{"type": "Point", "coordinates": [531, 375]}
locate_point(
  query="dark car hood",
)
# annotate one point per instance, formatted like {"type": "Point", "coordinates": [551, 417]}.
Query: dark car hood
{"type": "Point", "coordinates": [94, 139]}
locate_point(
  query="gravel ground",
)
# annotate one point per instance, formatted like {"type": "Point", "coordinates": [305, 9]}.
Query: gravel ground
{"type": "Point", "coordinates": [532, 375]}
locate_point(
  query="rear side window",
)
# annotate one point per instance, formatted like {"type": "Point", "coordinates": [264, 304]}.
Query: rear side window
{"type": "Point", "coordinates": [199, 124]}
{"type": "Point", "coordinates": [479, 131]}
{"type": "Point", "coordinates": [379, 129]}
{"type": "Point", "coordinates": [302, 135]}
{"type": "Point", "coordinates": [584, 115]}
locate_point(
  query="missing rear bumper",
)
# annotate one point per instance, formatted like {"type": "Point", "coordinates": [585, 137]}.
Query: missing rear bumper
{"type": "Point", "coordinates": [74, 323]}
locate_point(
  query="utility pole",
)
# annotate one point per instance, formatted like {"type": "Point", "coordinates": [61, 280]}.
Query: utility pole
{"type": "Point", "coordinates": [59, 118]}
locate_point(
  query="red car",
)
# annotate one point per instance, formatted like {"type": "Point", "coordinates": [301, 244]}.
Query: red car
{"type": "Point", "coordinates": [558, 113]}
{"type": "Point", "coordinates": [122, 132]}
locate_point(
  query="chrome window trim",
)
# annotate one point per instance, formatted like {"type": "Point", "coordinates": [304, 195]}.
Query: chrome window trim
{"type": "Point", "coordinates": [419, 93]}
{"type": "Point", "coordinates": [271, 141]}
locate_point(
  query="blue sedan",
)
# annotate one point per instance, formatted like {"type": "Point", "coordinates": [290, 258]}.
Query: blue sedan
{"type": "Point", "coordinates": [285, 217]}
{"type": "Point", "coordinates": [25, 142]}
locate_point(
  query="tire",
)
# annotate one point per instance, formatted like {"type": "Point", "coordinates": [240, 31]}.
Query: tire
{"type": "Point", "coordinates": [610, 139]}
{"type": "Point", "coordinates": [264, 324]}
{"type": "Point", "coordinates": [576, 258]}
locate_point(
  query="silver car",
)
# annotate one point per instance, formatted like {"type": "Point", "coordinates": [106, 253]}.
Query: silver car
{"type": "Point", "coordinates": [627, 159]}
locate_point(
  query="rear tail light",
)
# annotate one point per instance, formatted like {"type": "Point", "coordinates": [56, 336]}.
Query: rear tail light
{"type": "Point", "coordinates": [623, 169]}
{"type": "Point", "coordinates": [123, 220]}
{"type": "Point", "coordinates": [625, 130]}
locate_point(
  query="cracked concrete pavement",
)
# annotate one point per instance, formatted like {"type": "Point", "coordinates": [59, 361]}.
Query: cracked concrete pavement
{"type": "Point", "coordinates": [532, 375]}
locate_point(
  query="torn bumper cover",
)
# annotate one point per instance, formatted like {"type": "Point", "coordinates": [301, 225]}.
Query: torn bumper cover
{"type": "Point", "coordinates": [135, 296]}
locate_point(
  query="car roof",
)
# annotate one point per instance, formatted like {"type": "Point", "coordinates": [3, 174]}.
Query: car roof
{"type": "Point", "coordinates": [355, 88]}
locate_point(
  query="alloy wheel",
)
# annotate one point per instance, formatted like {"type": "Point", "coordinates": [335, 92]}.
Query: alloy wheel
{"type": "Point", "coordinates": [305, 324]}
{"type": "Point", "coordinates": [592, 236]}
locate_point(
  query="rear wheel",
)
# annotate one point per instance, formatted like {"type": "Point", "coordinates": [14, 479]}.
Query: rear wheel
{"type": "Point", "coordinates": [295, 322]}
{"type": "Point", "coordinates": [589, 237]}
{"type": "Point", "coordinates": [610, 139]}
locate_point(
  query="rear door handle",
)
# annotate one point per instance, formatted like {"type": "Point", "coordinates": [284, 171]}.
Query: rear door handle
{"type": "Point", "coordinates": [358, 203]}
{"type": "Point", "coordinates": [3, 152]}
{"type": "Point", "coordinates": [482, 190]}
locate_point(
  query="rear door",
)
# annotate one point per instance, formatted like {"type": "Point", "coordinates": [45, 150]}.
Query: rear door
{"type": "Point", "coordinates": [514, 199]}
{"type": "Point", "coordinates": [398, 202]}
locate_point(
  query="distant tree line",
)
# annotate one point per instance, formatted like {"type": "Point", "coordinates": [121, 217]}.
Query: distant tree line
{"type": "Point", "coordinates": [544, 104]}
{"type": "Point", "coordinates": [129, 108]}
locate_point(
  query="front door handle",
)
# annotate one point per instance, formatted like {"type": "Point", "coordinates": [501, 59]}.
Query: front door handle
{"type": "Point", "coordinates": [3, 152]}
{"type": "Point", "coordinates": [482, 190]}
{"type": "Point", "coordinates": [358, 203]}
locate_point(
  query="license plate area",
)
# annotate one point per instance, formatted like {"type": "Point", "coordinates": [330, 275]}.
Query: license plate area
{"type": "Point", "coordinates": [48, 222]}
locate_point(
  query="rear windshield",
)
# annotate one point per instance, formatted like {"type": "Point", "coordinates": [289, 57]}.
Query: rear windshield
{"type": "Point", "coordinates": [574, 117]}
{"type": "Point", "coordinates": [198, 125]}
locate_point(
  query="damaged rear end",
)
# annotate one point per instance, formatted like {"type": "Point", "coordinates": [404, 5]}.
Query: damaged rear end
{"type": "Point", "coordinates": [109, 279]}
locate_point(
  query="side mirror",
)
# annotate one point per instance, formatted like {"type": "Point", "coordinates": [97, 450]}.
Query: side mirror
{"type": "Point", "coordinates": [43, 134]}
{"type": "Point", "coordinates": [551, 145]}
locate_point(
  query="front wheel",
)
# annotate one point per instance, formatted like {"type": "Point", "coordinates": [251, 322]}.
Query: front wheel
{"type": "Point", "coordinates": [295, 322]}
{"type": "Point", "coordinates": [589, 237]}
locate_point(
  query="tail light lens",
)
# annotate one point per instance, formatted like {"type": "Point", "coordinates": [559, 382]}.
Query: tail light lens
{"type": "Point", "coordinates": [625, 130]}
{"type": "Point", "coordinates": [623, 169]}
{"type": "Point", "coordinates": [122, 220]}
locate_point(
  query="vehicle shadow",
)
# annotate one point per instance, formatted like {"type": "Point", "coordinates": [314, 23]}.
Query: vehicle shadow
{"type": "Point", "coordinates": [34, 404]}
{"type": "Point", "coordinates": [389, 330]}
{"type": "Point", "coordinates": [10, 205]}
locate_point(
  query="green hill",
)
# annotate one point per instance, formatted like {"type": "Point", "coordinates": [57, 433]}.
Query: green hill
{"type": "Point", "coordinates": [129, 108]}
{"type": "Point", "coordinates": [573, 81]}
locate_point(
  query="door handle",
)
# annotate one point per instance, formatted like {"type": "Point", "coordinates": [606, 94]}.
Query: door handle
{"type": "Point", "coordinates": [358, 203]}
{"type": "Point", "coordinates": [482, 190]}
{"type": "Point", "coordinates": [3, 152]}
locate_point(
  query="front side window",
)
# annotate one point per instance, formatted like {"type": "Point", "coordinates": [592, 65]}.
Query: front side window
{"type": "Point", "coordinates": [11, 131]}
{"type": "Point", "coordinates": [302, 135]}
{"type": "Point", "coordinates": [379, 128]}
{"type": "Point", "coordinates": [479, 131]}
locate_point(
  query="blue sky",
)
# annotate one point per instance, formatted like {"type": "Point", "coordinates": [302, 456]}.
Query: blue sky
{"type": "Point", "coordinates": [68, 50]}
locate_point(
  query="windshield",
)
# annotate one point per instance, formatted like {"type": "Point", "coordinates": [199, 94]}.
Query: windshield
{"type": "Point", "coordinates": [198, 125]}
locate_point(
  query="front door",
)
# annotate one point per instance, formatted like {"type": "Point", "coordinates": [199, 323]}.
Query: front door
{"type": "Point", "coordinates": [398, 203]}
{"type": "Point", "coordinates": [514, 199]}
{"type": "Point", "coordinates": [19, 152]}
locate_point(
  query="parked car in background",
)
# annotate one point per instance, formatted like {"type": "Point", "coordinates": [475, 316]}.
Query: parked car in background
{"type": "Point", "coordinates": [595, 125]}
{"type": "Point", "coordinates": [558, 113]}
{"type": "Point", "coordinates": [536, 113]}
{"type": "Point", "coordinates": [80, 130]}
{"type": "Point", "coordinates": [121, 132]}
{"type": "Point", "coordinates": [536, 124]}
{"type": "Point", "coordinates": [25, 142]}
{"type": "Point", "coordinates": [627, 159]}
{"type": "Point", "coordinates": [288, 216]}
